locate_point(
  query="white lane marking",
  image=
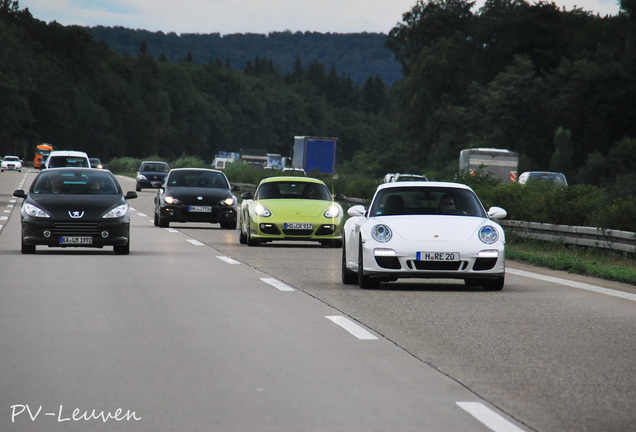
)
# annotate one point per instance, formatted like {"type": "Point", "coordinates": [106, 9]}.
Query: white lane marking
{"type": "Point", "coordinates": [9, 205]}
{"type": "Point", "coordinates": [7, 211]}
{"type": "Point", "coordinates": [488, 417]}
{"type": "Point", "coordinates": [351, 327]}
{"type": "Point", "coordinates": [195, 242]}
{"type": "Point", "coordinates": [12, 201]}
{"type": "Point", "coordinates": [141, 214]}
{"type": "Point", "coordinates": [280, 285]}
{"type": "Point", "coordinates": [573, 284]}
{"type": "Point", "coordinates": [4, 218]}
{"type": "Point", "coordinates": [228, 260]}
{"type": "Point", "coordinates": [172, 230]}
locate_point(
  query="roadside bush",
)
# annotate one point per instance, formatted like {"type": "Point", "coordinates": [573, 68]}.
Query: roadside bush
{"type": "Point", "coordinates": [355, 186]}
{"type": "Point", "coordinates": [617, 215]}
{"type": "Point", "coordinates": [188, 162]}
{"type": "Point", "coordinates": [124, 165]}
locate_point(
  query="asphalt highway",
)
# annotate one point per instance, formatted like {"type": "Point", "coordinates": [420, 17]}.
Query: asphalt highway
{"type": "Point", "coordinates": [194, 332]}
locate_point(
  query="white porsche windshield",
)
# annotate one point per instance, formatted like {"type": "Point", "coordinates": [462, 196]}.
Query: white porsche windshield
{"type": "Point", "coordinates": [426, 201]}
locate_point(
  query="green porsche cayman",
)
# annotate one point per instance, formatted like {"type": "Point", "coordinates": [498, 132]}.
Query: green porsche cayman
{"type": "Point", "coordinates": [291, 208]}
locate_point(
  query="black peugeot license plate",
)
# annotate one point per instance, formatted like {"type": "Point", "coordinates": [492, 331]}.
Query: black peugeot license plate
{"type": "Point", "coordinates": [76, 240]}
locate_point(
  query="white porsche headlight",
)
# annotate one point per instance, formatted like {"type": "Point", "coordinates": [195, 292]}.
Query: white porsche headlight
{"type": "Point", "coordinates": [488, 234]}
{"type": "Point", "coordinates": [332, 212]}
{"type": "Point", "coordinates": [117, 212]}
{"type": "Point", "coordinates": [261, 210]}
{"type": "Point", "coordinates": [34, 211]}
{"type": "Point", "coordinates": [381, 233]}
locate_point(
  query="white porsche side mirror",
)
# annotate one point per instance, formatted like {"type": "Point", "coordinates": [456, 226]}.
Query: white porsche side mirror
{"type": "Point", "coordinates": [497, 213]}
{"type": "Point", "coordinates": [356, 210]}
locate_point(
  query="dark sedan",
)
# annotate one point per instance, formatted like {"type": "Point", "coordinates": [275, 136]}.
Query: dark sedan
{"type": "Point", "coordinates": [196, 195]}
{"type": "Point", "coordinates": [75, 207]}
{"type": "Point", "coordinates": [151, 174]}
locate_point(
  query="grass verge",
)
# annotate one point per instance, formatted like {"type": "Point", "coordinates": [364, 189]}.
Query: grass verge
{"type": "Point", "coordinates": [606, 264]}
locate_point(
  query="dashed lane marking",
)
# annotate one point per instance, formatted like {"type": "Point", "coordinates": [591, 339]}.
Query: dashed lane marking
{"type": "Point", "coordinates": [281, 286]}
{"type": "Point", "coordinates": [351, 327]}
{"type": "Point", "coordinates": [228, 260]}
{"type": "Point", "coordinates": [488, 417]}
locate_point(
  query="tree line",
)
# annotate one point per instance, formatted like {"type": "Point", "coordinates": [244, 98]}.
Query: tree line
{"type": "Point", "coordinates": [557, 86]}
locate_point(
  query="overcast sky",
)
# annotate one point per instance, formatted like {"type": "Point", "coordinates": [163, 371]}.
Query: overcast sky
{"type": "Point", "coordinates": [247, 16]}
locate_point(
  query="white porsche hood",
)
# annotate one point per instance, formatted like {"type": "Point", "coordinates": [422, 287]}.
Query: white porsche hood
{"type": "Point", "coordinates": [442, 228]}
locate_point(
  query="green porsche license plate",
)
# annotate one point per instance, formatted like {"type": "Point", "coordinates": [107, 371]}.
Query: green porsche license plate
{"type": "Point", "coordinates": [299, 226]}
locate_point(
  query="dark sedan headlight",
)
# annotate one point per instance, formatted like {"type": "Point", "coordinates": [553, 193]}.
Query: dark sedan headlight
{"type": "Point", "coordinates": [171, 200]}
{"type": "Point", "coordinates": [141, 177]}
{"type": "Point", "coordinates": [117, 212]}
{"type": "Point", "coordinates": [34, 211]}
{"type": "Point", "coordinates": [229, 201]}
{"type": "Point", "coordinates": [488, 234]}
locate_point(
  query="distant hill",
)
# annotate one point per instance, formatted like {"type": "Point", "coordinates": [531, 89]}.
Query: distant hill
{"type": "Point", "coordinates": [358, 55]}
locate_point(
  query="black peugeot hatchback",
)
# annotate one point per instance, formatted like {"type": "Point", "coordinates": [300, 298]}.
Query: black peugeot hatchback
{"type": "Point", "coordinates": [75, 207]}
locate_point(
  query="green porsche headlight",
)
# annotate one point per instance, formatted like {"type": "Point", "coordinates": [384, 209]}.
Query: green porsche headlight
{"type": "Point", "coordinates": [261, 211]}
{"type": "Point", "coordinates": [332, 212]}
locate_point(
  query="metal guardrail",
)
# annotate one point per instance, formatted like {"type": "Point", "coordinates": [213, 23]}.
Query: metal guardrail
{"type": "Point", "coordinates": [578, 235]}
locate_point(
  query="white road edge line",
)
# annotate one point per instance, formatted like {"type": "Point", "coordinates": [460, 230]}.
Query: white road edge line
{"type": "Point", "coordinates": [228, 260]}
{"type": "Point", "coordinates": [574, 284]}
{"type": "Point", "coordinates": [488, 417]}
{"type": "Point", "coordinates": [279, 285]}
{"type": "Point", "coordinates": [351, 327]}
{"type": "Point", "coordinates": [195, 242]}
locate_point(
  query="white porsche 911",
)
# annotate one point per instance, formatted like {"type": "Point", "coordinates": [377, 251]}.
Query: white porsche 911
{"type": "Point", "coordinates": [424, 230]}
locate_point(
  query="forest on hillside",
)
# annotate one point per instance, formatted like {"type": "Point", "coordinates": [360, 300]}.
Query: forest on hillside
{"type": "Point", "coordinates": [358, 55]}
{"type": "Point", "coordinates": [557, 86]}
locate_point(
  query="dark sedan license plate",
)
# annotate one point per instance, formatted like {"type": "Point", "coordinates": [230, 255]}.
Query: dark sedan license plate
{"type": "Point", "coordinates": [299, 226]}
{"type": "Point", "coordinates": [200, 209]}
{"type": "Point", "coordinates": [437, 256]}
{"type": "Point", "coordinates": [75, 240]}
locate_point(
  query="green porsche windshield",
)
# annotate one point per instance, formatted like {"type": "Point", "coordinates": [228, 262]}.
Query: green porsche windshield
{"type": "Point", "coordinates": [293, 190]}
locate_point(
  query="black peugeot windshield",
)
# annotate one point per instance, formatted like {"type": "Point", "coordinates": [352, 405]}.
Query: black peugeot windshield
{"type": "Point", "coordinates": [426, 201]}
{"type": "Point", "coordinates": [59, 181]}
